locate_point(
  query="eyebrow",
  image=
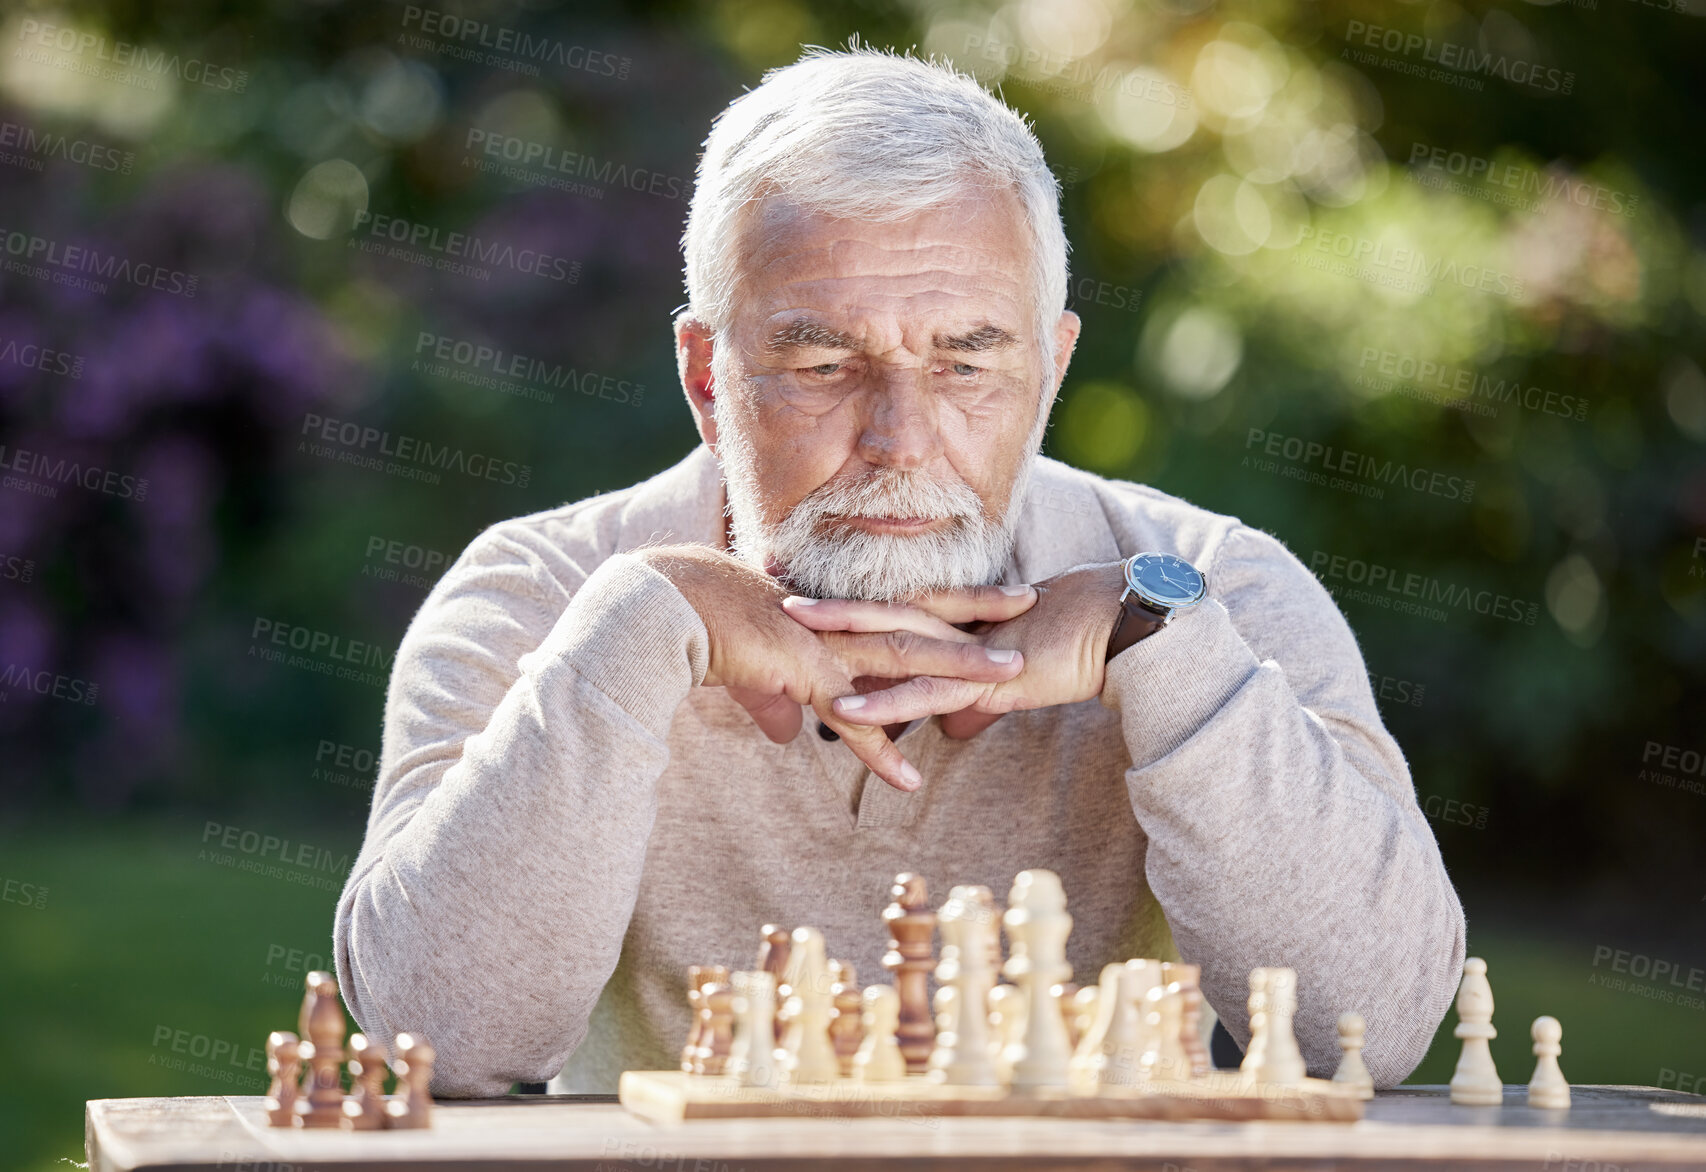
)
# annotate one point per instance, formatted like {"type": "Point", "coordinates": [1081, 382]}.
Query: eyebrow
{"type": "Point", "coordinates": [805, 333]}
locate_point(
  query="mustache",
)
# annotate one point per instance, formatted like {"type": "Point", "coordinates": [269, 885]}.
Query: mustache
{"type": "Point", "coordinates": [889, 492]}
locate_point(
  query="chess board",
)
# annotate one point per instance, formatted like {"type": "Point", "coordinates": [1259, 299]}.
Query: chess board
{"type": "Point", "coordinates": [671, 1096]}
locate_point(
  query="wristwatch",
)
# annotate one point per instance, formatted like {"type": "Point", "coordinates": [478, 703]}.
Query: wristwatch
{"type": "Point", "coordinates": [1157, 586]}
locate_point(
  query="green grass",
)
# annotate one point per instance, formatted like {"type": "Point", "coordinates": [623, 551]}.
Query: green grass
{"type": "Point", "coordinates": [140, 934]}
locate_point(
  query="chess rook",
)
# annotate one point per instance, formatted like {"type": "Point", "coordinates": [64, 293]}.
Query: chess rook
{"type": "Point", "coordinates": [912, 927]}
{"type": "Point", "coordinates": [1189, 980]}
{"type": "Point", "coordinates": [1037, 927]}
{"type": "Point", "coordinates": [1476, 1081]}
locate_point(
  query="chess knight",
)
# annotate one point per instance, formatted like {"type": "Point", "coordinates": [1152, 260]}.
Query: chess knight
{"type": "Point", "coordinates": [865, 627]}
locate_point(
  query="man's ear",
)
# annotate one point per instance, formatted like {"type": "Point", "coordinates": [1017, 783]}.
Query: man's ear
{"type": "Point", "coordinates": [693, 347]}
{"type": "Point", "coordinates": [1065, 341]}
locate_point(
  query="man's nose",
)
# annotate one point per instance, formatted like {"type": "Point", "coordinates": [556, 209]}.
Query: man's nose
{"type": "Point", "coordinates": [900, 426]}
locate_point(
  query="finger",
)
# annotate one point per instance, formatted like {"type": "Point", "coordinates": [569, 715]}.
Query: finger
{"type": "Point", "coordinates": [776, 716]}
{"type": "Point", "coordinates": [901, 654]}
{"type": "Point", "coordinates": [873, 747]}
{"type": "Point", "coordinates": [922, 696]}
{"type": "Point", "coordinates": [967, 723]}
{"type": "Point", "coordinates": [847, 614]}
{"type": "Point", "coordinates": [974, 604]}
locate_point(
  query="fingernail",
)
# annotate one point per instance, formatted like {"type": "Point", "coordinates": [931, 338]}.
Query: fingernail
{"type": "Point", "coordinates": [800, 600]}
{"type": "Point", "coordinates": [1016, 591]}
{"type": "Point", "coordinates": [909, 774]}
{"type": "Point", "coordinates": [1005, 656]}
{"type": "Point", "coordinates": [849, 703]}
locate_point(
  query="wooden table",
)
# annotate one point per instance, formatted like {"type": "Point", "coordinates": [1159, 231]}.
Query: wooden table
{"type": "Point", "coordinates": [1609, 1129]}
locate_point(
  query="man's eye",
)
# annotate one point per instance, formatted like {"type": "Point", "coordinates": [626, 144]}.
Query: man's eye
{"type": "Point", "coordinates": [964, 369]}
{"type": "Point", "coordinates": [825, 368]}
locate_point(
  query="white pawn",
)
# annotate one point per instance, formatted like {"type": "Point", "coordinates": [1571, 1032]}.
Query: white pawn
{"type": "Point", "coordinates": [1352, 1073]}
{"type": "Point", "coordinates": [1007, 1024]}
{"type": "Point", "coordinates": [1164, 1057]}
{"type": "Point", "coordinates": [961, 1056]}
{"type": "Point", "coordinates": [1476, 1082]}
{"type": "Point", "coordinates": [1258, 1006]}
{"type": "Point", "coordinates": [1037, 928]}
{"type": "Point", "coordinates": [1548, 1088]}
{"type": "Point", "coordinates": [809, 1056]}
{"type": "Point", "coordinates": [1280, 1061]}
{"type": "Point", "coordinates": [752, 1051]}
{"type": "Point", "coordinates": [879, 1058]}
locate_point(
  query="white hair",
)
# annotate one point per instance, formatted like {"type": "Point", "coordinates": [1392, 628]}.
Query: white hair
{"type": "Point", "coordinates": [864, 134]}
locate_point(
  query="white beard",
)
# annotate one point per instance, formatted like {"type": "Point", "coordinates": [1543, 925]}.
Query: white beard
{"type": "Point", "coordinates": [821, 558]}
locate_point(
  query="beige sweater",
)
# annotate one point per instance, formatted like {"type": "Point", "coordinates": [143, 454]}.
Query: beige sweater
{"type": "Point", "coordinates": [564, 820]}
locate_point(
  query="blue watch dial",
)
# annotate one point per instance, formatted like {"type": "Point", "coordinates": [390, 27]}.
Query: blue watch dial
{"type": "Point", "coordinates": [1164, 580]}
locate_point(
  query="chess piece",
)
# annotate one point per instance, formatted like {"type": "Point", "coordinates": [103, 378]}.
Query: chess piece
{"type": "Point", "coordinates": [911, 926]}
{"type": "Point", "coordinates": [1110, 1053]}
{"type": "Point", "coordinates": [961, 1053]}
{"type": "Point", "coordinates": [1037, 927]}
{"type": "Point", "coordinates": [412, 1107]}
{"type": "Point", "coordinates": [1352, 1073]}
{"type": "Point", "coordinates": [1476, 1081]}
{"type": "Point", "coordinates": [1006, 1027]}
{"type": "Point", "coordinates": [846, 1005]}
{"type": "Point", "coordinates": [695, 1002]}
{"type": "Point", "coordinates": [284, 1064]}
{"type": "Point", "coordinates": [773, 959]}
{"type": "Point", "coordinates": [752, 1048]}
{"type": "Point", "coordinates": [1547, 1088]}
{"type": "Point", "coordinates": [1189, 979]}
{"type": "Point", "coordinates": [879, 1058]}
{"type": "Point", "coordinates": [1258, 1005]}
{"type": "Point", "coordinates": [1063, 993]}
{"type": "Point", "coordinates": [1281, 1062]}
{"type": "Point", "coordinates": [1164, 1056]}
{"type": "Point", "coordinates": [716, 1028]}
{"type": "Point", "coordinates": [1083, 1014]}
{"type": "Point", "coordinates": [808, 1057]}
{"type": "Point", "coordinates": [365, 1110]}
{"type": "Point", "coordinates": [323, 1054]}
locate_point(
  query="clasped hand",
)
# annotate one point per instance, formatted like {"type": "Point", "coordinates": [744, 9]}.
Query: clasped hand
{"type": "Point", "coordinates": [969, 655]}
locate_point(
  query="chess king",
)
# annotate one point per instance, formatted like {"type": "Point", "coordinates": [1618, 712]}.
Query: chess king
{"type": "Point", "coordinates": [864, 627]}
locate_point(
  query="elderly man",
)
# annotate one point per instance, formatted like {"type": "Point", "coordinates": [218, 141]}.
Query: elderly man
{"type": "Point", "coordinates": [863, 629]}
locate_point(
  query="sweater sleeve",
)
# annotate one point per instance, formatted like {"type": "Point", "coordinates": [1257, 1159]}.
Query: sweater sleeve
{"type": "Point", "coordinates": [1282, 822]}
{"type": "Point", "coordinates": [525, 732]}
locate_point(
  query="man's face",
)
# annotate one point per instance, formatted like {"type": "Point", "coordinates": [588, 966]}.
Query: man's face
{"type": "Point", "coordinates": [880, 395]}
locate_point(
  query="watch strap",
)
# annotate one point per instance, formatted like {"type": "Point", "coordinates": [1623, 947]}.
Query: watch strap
{"type": "Point", "coordinates": [1135, 623]}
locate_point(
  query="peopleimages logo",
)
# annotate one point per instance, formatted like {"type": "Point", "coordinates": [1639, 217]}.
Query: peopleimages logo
{"type": "Point", "coordinates": [1458, 387]}
{"type": "Point", "coordinates": [30, 148]}
{"type": "Point", "coordinates": [1344, 462]}
{"type": "Point", "coordinates": [1459, 59]}
{"type": "Point", "coordinates": [127, 56]}
{"type": "Point", "coordinates": [1514, 178]}
{"type": "Point", "coordinates": [448, 251]}
{"type": "Point", "coordinates": [74, 265]}
{"type": "Point", "coordinates": [1412, 262]}
{"type": "Point", "coordinates": [1410, 592]}
{"type": "Point", "coordinates": [93, 477]}
{"type": "Point", "coordinates": [480, 365]}
{"type": "Point", "coordinates": [351, 443]}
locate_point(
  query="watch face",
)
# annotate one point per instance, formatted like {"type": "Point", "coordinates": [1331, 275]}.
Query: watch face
{"type": "Point", "coordinates": [1165, 580]}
